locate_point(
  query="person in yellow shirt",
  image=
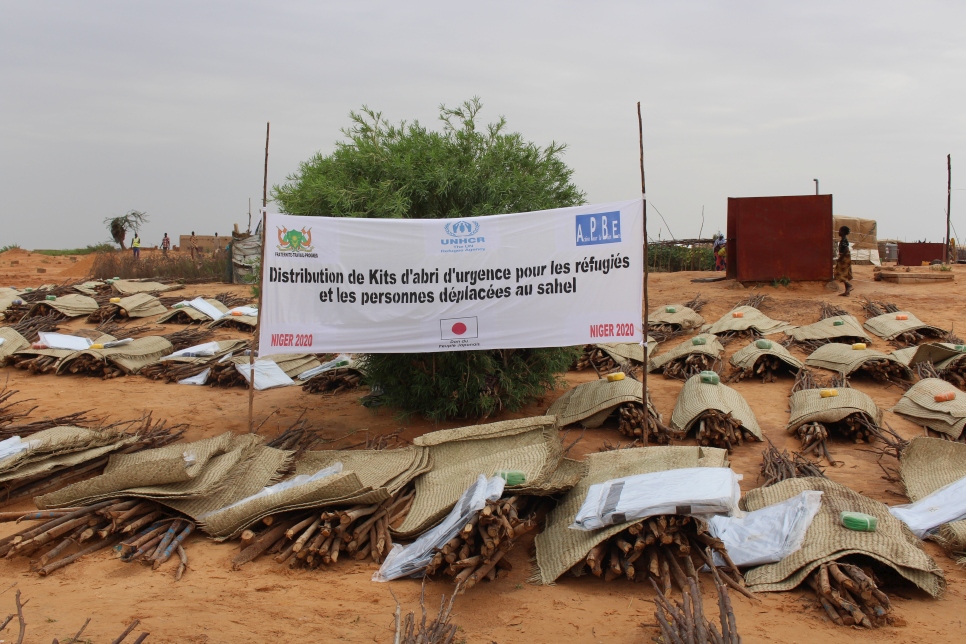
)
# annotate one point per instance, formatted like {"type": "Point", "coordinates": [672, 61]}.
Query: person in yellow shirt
{"type": "Point", "coordinates": [136, 245]}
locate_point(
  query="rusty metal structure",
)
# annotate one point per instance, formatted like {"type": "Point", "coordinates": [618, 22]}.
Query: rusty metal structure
{"type": "Point", "coordinates": [771, 238]}
{"type": "Point", "coordinates": [915, 253]}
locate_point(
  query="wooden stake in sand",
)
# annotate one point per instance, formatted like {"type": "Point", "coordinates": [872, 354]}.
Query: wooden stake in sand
{"type": "Point", "coordinates": [261, 286]}
{"type": "Point", "coordinates": [640, 133]}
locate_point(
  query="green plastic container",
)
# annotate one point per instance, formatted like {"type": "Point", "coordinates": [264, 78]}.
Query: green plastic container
{"type": "Point", "coordinates": [763, 344]}
{"type": "Point", "coordinates": [670, 309]}
{"type": "Point", "coordinates": [710, 378]}
{"type": "Point", "coordinates": [961, 348]}
{"type": "Point", "coordinates": [699, 341]}
{"type": "Point", "coordinates": [838, 323]}
{"type": "Point", "coordinates": [512, 477]}
{"type": "Point", "coordinates": [50, 298]}
{"type": "Point", "coordinates": [859, 521]}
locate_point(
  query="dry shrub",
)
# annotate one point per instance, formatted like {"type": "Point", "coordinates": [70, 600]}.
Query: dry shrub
{"type": "Point", "coordinates": [207, 268]}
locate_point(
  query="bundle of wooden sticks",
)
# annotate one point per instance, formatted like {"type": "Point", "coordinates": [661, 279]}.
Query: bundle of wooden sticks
{"type": "Point", "coordinates": [685, 621]}
{"type": "Point", "coordinates": [309, 539]}
{"type": "Point", "coordinates": [690, 365]}
{"type": "Point", "coordinates": [718, 429]}
{"type": "Point", "coordinates": [477, 551]}
{"type": "Point", "coordinates": [850, 595]}
{"type": "Point", "coordinates": [779, 466]}
{"type": "Point", "coordinates": [767, 366]}
{"type": "Point", "coordinates": [30, 328]}
{"type": "Point", "coordinates": [597, 359]}
{"type": "Point", "coordinates": [333, 381]}
{"type": "Point", "coordinates": [649, 429]}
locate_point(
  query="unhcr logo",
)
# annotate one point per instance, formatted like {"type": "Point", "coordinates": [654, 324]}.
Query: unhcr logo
{"type": "Point", "coordinates": [462, 233]}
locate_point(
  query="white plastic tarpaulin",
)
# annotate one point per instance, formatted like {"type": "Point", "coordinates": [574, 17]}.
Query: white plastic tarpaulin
{"type": "Point", "coordinates": [550, 278]}
{"type": "Point", "coordinates": [267, 375]}
{"type": "Point", "coordinates": [945, 505]}
{"type": "Point", "coordinates": [61, 341]}
{"type": "Point", "coordinates": [690, 491]}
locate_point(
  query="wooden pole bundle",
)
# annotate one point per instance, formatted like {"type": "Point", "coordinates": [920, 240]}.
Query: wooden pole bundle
{"type": "Point", "coordinates": [170, 371]}
{"type": "Point", "coordinates": [438, 631]}
{"type": "Point", "coordinates": [16, 313]}
{"type": "Point", "coordinates": [43, 309]}
{"type": "Point", "coordinates": [649, 431]}
{"type": "Point", "coordinates": [224, 374]}
{"type": "Point", "coordinates": [333, 381]}
{"type": "Point", "coordinates": [685, 622]}
{"type": "Point", "coordinates": [663, 332]}
{"type": "Point", "coordinates": [886, 371]}
{"type": "Point", "coordinates": [828, 310]}
{"type": "Point", "coordinates": [597, 359]}
{"type": "Point", "coordinates": [188, 338]}
{"type": "Point", "coordinates": [779, 466]}
{"type": "Point", "coordinates": [955, 373]}
{"type": "Point", "coordinates": [666, 548]}
{"type": "Point", "coordinates": [110, 327]}
{"type": "Point", "coordinates": [850, 595]}
{"type": "Point", "coordinates": [690, 365]}
{"type": "Point", "coordinates": [149, 531]}
{"type": "Point", "coordinates": [35, 364]}
{"type": "Point", "coordinates": [718, 429]}
{"type": "Point", "coordinates": [232, 300]}
{"type": "Point", "coordinates": [30, 328]}
{"type": "Point", "coordinates": [309, 539]}
{"type": "Point", "coordinates": [106, 311]}
{"type": "Point", "coordinates": [767, 366]}
{"type": "Point", "coordinates": [95, 366]}
{"type": "Point", "coordinates": [754, 301]}
{"type": "Point", "coordinates": [749, 334]}
{"type": "Point", "coordinates": [478, 551]}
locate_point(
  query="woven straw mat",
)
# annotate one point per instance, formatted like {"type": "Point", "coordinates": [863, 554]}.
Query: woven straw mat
{"type": "Point", "coordinates": [587, 403]}
{"type": "Point", "coordinates": [683, 317]}
{"type": "Point", "coordinates": [808, 406]}
{"type": "Point", "coordinates": [235, 320]}
{"type": "Point", "coordinates": [73, 305]}
{"type": "Point", "coordinates": [142, 305]}
{"type": "Point", "coordinates": [69, 459]}
{"type": "Point", "coordinates": [189, 314]}
{"type": "Point", "coordinates": [559, 547]}
{"type": "Point", "coordinates": [130, 357]}
{"type": "Point", "coordinates": [130, 287]}
{"type": "Point", "coordinates": [58, 440]}
{"type": "Point", "coordinates": [291, 363]}
{"type": "Point", "coordinates": [696, 398]}
{"type": "Point", "coordinates": [919, 405]}
{"type": "Point", "coordinates": [751, 318]}
{"type": "Point", "coordinates": [941, 354]}
{"type": "Point", "coordinates": [746, 357]}
{"type": "Point", "coordinates": [368, 476]}
{"type": "Point", "coordinates": [87, 288]}
{"type": "Point", "coordinates": [931, 463]}
{"type": "Point", "coordinates": [886, 326]}
{"type": "Point", "coordinates": [459, 456]}
{"type": "Point", "coordinates": [624, 352]}
{"type": "Point", "coordinates": [712, 347]}
{"type": "Point", "coordinates": [12, 342]}
{"type": "Point", "coordinates": [826, 330]}
{"type": "Point", "coordinates": [844, 359]}
{"type": "Point", "coordinates": [827, 539]}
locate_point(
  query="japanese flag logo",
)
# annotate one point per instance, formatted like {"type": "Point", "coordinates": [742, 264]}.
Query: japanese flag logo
{"type": "Point", "coordinates": [458, 328]}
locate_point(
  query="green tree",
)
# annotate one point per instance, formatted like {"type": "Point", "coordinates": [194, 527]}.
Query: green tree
{"type": "Point", "coordinates": [409, 171]}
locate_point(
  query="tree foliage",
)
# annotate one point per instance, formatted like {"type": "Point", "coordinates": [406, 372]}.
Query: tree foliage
{"type": "Point", "coordinates": [462, 170]}
{"type": "Point", "coordinates": [119, 226]}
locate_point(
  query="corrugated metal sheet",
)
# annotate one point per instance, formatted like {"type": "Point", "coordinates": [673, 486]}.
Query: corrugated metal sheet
{"type": "Point", "coordinates": [915, 253]}
{"type": "Point", "coordinates": [774, 237]}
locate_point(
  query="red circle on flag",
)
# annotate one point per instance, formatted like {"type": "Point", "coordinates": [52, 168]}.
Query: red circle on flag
{"type": "Point", "coordinates": [459, 328]}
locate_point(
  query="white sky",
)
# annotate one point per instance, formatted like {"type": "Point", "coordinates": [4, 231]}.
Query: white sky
{"type": "Point", "coordinates": [161, 106]}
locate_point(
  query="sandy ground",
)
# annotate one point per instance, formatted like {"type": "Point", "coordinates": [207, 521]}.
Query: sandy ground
{"type": "Point", "coordinates": [265, 602]}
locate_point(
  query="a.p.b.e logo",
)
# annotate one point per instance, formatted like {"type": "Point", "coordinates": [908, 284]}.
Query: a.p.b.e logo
{"type": "Point", "coordinates": [599, 228]}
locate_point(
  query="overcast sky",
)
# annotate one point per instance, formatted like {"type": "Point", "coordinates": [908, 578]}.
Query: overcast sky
{"type": "Point", "coordinates": [161, 107]}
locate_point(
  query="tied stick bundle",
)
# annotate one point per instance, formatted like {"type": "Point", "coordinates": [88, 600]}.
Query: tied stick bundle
{"type": "Point", "coordinates": [754, 301]}
{"type": "Point", "coordinates": [231, 300]}
{"type": "Point", "coordinates": [690, 365]}
{"type": "Point", "coordinates": [478, 551]}
{"type": "Point", "coordinates": [30, 328]}
{"type": "Point", "coordinates": [955, 373]}
{"type": "Point", "coordinates": [718, 429]}
{"type": "Point", "coordinates": [110, 327]}
{"type": "Point", "coordinates": [664, 332]}
{"type": "Point", "coordinates": [310, 539]}
{"type": "Point", "coordinates": [106, 311]}
{"type": "Point", "coordinates": [109, 521]}
{"type": "Point", "coordinates": [94, 366]}
{"type": "Point", "coordinates": [685, 621]}
{"type": "Point", "coordinates": [767, 366]}
{"type": "Point", "coordinates": [661, 548]}
{"type": "Point", "coordinates": [333, 381]}
{"type": "Point", "coordinates": [649, 430]}
{"type": "Point", "coordinates": [597, 359]}
{"type": "Point", "coordinates": [158, 542]}
{"type": "Point", "coordinates": [857, 426]}
{"type": "Point", "coordinates": [188, 338]}
{"type": "Point", "coordinates": [172, 371]}
{"type": "Point", "coordinates": [439, 631]}
{"type": "Point", "coordinates": [850, 595]}
{"type": "Point", "coordinates": [18, 312]}
{"type": "Point", "coordinates": [46, 310]}
{"type": "Point", "coordinates": [34, 364]}
{"type": "Point", "coordinates": [779, 466]}
{"type": "Point", "coordinates": [886, 371]}
{"type": "Point", "coordinates": [831, 311]}
{"type": "Point", "coordinates": [748, 334]}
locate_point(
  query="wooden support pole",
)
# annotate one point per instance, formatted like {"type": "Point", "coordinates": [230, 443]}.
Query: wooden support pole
{"type": "Point", "coordinates": [261, 288]}
{"type": "Point", "coordinates": [949, 194]}
{"type": "Point", "coordinates": [640, 132]}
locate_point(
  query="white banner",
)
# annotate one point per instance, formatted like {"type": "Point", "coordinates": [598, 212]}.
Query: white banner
{"type": "Point", "coordinates": [550, 278]}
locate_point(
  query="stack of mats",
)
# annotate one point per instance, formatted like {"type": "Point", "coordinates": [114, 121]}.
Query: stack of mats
{"type": "Point", "coordinates": [188, 314]}
{"type": "Point", "coordinates": [887, 327]}
{"type": "Point", "coordinates": [629, 354]}
{"type": "Point", "coordinates": [697, 397]}
{"type": "Point", "coordinates": [711, 347]}
{"type": "Point", "coordinates": [243, 322]}
{"type": "Point", "coordinates": [59, 448]}
{"type": "Point", "coordinates": [941, 354]}
{"type": "Point", "coordinates": [751, 318]}
{"type": "Point", "coordinates": [130, 357]}
{"type": "Point", "coordinates": [826, 329]}
{"type": "Point", "coordinates": [920, 406]}
{"type": "Point", "coordinates": [11, 343]}
{"type": "Point", "coordinates": [929, 464]}
{"type": "Point", "coordinates": [808, 406]}
{"type": "Point", "coordinates": [130, 287]}
{"type": "Point", "coordinates": [746, 357]}
{"type": "Point", "coordinates": [842, 358]}
{"type": "Point", "coordinates": [592, 402]}
{"type": "Point", "coordinates": [225, 347]}
{"type": "Point", "coordinates": [367, 477]}
{"type": "Point", "coordinates": [559, 547]}
{"type": "Point", "coordinates": [293, 364]}
{"type": "Point", "coordinates": [88, 288]}
{"type": "Point", "coordinates": [140, 305]}
{"type": "Point", "coordinates": [459, 456]}
{"type": "Point", "coordinates": [194, 478]}
{"type": "Point", "coordinates": [892, 544]}
{"type": "Point", "coordinates": [71, 306]}
{"type": "Point", "coordinates": [682, 318]}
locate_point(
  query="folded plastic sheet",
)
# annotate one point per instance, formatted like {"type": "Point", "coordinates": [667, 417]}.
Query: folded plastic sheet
{"type": "Point", "coordinates": [61, 341]}
{"type": "Point", "coordinates": [767, 535]}
{"type": "Point", "coordinates": [197, 351]}
{"type": "Point", "coordinates": [267, 375]}
{"type": "Point", "coordinates": [411, 560]}
{"type": "Point", "coordinates": [687, 491]}
{"type": "Point", "coordinates": [945, 505]}
{"type": "Point", "coordinates": [295, 481]}
{"type": "Point", "coordinates": [199, 304]}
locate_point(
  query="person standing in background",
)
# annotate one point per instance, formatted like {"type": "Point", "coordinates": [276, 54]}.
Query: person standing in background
{"type": "Point", "coordinates": [165, 245]}
{"type": "Point", "coordinates": [843, 264]}
{"type": "Point", "coordinates": [136, 245]}
{"type": "Point", "coordinates": [719, 252]}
